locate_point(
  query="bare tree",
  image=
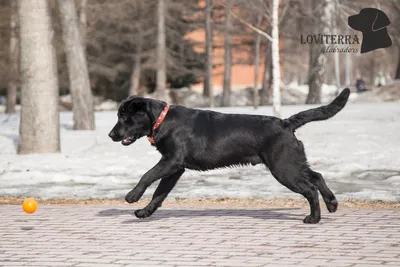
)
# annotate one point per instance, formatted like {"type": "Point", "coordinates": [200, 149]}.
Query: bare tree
{"type": "Point", "coordinates": [13, 61]}
{"type": "Point", "coordinates": [257, 63]}
{"type": "Point", "coordinates": [81, 94]}
{"type": "Point", "coordinates": [395, 8]}
{"type": "Point", "coordinates": [39, 125]}
{"type": "Point", "coordinates": [208, 90]}
{"type": "Point", "coordinates": [348, 66]}
{"type": "Point", "coordinates": [114, 39]}
{"type": "Point", "coordinates": [316, 77]}
{"type": "Point", "coordinates": [336, 55]}
{"type": "Point", "coordinates": [82, 17]}
{"type": "Point", "coordinates": [397, 74]}
{"type": "Point", "coordinates": [226, 93]}
{"type": "Point", "coordinates": [267, 76]}
{"type": "Point", "coordinates": [276, 91]}
{"type": "Point", "coordinates": [274, 39]}
{"type": "Point", "coordinates": [137, 66]}
{"type": "Point", "coordinates": [161, 49]}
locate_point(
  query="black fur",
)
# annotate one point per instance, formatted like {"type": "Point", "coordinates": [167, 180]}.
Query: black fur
{"type": "Point", "coordinates": [204, 140]}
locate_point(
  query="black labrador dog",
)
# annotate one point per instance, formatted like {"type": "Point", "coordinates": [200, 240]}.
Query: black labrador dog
{"type": "Point", "coordinates": [204, 140]}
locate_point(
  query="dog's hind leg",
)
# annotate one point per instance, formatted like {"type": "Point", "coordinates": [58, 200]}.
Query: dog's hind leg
{"type": "Point", "coordinates": [163, 189]}
{"type": "Point", "coordinates": [302, 186]}
{"type": "Point", "coordinates": [310, 192]}
{"type": "Point", "coordinates": [327, 195]}
{"type": "Point", "coordinates": [292, 171]}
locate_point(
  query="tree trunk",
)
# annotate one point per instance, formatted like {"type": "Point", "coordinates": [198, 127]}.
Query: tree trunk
{"type": "Point", "coordinates": [226, 93]}
{"type": "Point", "coordinates": [318, 57]}
{"type": "Point", "coordinates": [13, 77]}
{"type": "Point", "coordinates": [135, 76]}
{"type": "Point", "coordinates": [39, 125]}
{"type": "Point", "coordinates": [137, 66]}
{"type": "Point", "coordinates": [81, 94]}
{"type": "Point", "coordinates": [208, 90]}
{"type": "Point", "coordinates": [337, 72]}
{"type": "Point", "coordinates": [372, 69]}
{"type": "Point", "coordinates": [276, 73]}
{"type": "Point", "coordinates": [161, 50]}
{"type": "Point", "coordinates": [257, 63]}
{"type": "Point", "coordinates": [82, 20]}
{"type": "Point", "coordinates": [336, 55]}
{"type": "Point", "coordinates": [397, 75]}
{"type": "Point", "coordinates": [270, 80]}
{"type": "Point", "coordinates": [348, 64]}
{"type": "Point", "coordinates": [267, 77]}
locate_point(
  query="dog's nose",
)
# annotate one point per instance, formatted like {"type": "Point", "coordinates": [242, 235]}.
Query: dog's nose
{"type": "Point", "coordinates": [112, 134]}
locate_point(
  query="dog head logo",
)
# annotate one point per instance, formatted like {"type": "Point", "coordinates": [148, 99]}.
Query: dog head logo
{"type": "Point", "coordinates": [372, 23]}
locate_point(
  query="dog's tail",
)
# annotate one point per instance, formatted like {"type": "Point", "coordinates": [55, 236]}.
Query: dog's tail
{"type": "Point", "coordinates": [318, 114]}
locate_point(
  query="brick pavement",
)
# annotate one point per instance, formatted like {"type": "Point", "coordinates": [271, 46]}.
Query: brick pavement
{"type": "Point", "coordinates": [111, 236]}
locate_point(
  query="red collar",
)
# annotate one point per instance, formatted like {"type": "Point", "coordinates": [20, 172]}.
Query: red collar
{"type": "Point", "coordinates": [158, 122]}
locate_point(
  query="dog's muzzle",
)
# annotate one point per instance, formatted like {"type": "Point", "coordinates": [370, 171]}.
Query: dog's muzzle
{"type": "Point", "coordinates": [114, 136]}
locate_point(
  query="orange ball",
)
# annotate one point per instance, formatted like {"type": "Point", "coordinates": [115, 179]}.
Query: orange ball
{"type": "Point", "coordinates": [29, 205]}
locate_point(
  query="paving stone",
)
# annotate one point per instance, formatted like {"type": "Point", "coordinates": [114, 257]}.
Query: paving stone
{"type": "Point", "coordinates": [82, 236]}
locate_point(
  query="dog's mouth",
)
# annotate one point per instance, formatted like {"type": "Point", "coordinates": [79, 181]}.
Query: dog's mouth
{"type": "Point", "coordinates": [128, 140]}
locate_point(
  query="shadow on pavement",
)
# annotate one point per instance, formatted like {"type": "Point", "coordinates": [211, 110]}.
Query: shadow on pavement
{"type": "Point", "coordinates": [264, 214]}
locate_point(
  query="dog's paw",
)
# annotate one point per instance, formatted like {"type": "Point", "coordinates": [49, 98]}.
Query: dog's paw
{"type": "Point", "coordinates": [311, 219]}
{"type": "Point", "coordinates": [332, 205]}
{"type": "Point", "coordinates": [133, 196]}
{"type": "Point", "coordinates": [142, 213]}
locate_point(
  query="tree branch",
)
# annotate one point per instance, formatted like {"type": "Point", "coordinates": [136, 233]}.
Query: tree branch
{"type": "Point", "coordinates": [262, 33]}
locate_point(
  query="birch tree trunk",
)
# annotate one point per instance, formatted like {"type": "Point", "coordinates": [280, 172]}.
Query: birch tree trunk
{"type": "Point", "coordinates": [208, 90]}
{"type": "Point", "coordinates": [276, 73]}
{"type": "Point", "coordinates": [39, 125]}
{"type": "Point", "coordinates": [226, 93]}
{"type": "Point", "coordinates": [336, 55]}
{"type": "Point", "coordinates": [348, 65]}
{"type": "Point", "coordinates": [316, 76]}
{"type": "Point", "coordinates": [137, 66]}
{"type": "Point", "coordinates": [257, 63]}
{"type": "Point", "coordinates": [337, 72]}
{"type": "Point", "coordinates": [13, 59]}
{"type": "Point", "coordinates": [81, 94]}
{"type": "Point", "coordinates": [161, 50]}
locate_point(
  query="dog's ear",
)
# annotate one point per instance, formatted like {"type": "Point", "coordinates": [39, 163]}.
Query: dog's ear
{"type": "Point", "coordinates": [143, 105]}
{"type": "Point", "coordinates": [139, 104]}
{"type": "Point", "coordinates": [381, 21]}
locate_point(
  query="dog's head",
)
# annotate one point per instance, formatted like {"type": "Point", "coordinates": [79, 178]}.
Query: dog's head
{"type": "Point", "coordinates": [135, 120]}
{"type": "Point", "coordinates": [369, 20]}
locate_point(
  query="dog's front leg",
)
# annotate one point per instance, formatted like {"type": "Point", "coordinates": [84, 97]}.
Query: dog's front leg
{"type": "Point", "coordinates": [164, 188]}
{"type": "Point", "coordinates": [165, 167]}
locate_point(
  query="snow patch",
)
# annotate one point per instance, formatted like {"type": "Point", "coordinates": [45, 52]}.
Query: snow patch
{"type": "Point", "coordinates": [357, 152]}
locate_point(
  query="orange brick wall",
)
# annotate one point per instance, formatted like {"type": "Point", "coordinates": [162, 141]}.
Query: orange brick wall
{"type": "Point", "coordinates": [242, 75]}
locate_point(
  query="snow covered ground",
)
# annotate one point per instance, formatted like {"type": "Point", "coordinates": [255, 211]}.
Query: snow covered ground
{"type": "Point", "coordinates": [357, 151]}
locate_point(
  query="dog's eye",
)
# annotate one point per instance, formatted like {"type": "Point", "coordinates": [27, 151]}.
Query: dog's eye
{"type": "Point", "coordinates": [123, 117]}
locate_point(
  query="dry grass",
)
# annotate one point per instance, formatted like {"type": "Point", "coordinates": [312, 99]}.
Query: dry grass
{"type": "Point", "coordinates": [212, 203]}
